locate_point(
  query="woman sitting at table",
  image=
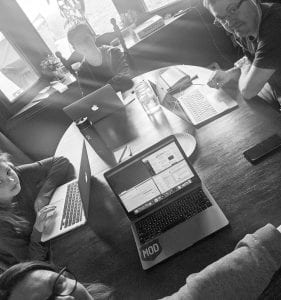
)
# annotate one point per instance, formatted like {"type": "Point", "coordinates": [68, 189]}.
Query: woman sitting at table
{"type": "Point", "coordinates": [25, 193]}
{"type": "Point", "coordinates": [100, 65]}
{"type": "Point", "coordinates": [242, 274]}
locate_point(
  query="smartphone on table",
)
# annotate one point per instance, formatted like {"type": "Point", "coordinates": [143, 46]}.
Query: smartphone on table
{"type": "Point", "coordinates": [263, 149]}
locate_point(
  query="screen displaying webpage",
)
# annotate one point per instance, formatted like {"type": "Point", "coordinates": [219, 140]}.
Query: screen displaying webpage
{"type": "Point", "coordinates": [152, 178]}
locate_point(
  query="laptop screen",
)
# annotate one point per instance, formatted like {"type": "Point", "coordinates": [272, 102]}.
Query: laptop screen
{"type": "Point", "coordinates": [84, 179]}
{"type": "Point", "coordinates": [149, 179]}
{"type": "Point", "coordinates": [95, 106]}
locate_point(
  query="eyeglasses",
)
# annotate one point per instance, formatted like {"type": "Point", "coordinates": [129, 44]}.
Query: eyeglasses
{"type": "Point", "coordinates": [61, 287]}
{"type": "Point", "coordinates": [219, 21]}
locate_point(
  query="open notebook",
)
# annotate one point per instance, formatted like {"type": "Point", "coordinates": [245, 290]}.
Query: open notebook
{"type": "Point", "coordinates": [198, 104]}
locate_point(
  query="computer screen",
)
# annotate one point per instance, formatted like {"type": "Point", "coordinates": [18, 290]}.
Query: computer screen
{"type": "Point", "coordinates": [151, 178]}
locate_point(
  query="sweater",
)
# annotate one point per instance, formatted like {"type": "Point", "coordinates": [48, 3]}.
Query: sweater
{"type": "Point", "coordinates": [38, 181]}
{"type": "Point", "coordinates": [242, 274]}
{"type": "Point", "coordinates": [114, 70]}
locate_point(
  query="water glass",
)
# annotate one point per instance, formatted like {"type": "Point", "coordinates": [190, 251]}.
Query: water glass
{"type": "Point", "coordinates": [147, 98]}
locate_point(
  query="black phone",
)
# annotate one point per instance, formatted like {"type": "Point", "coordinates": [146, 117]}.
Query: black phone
{"type": "Point", "coordinates": [262, 149]}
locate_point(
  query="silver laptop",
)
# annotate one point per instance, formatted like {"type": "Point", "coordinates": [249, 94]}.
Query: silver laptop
{"type": "Point", "coordinates": [169, 207]}
{"type": "Point", "coordinates": [72, 202]}
{"type": "Point", "coordinates": [95, 106]}
{"type": "Point", "coordinates": [199, 104]}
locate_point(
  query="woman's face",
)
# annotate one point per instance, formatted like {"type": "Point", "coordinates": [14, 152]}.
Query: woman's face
{"type": "Point", "coordinates": [39, 284]}
{"type": "Point", "coordinates": [9, 183]}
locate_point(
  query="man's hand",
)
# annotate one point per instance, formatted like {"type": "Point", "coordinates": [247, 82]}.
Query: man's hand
{"type": "Point", "coordinates": [43, 215]}
{"type": "Point", "coordinates": [219, 77]}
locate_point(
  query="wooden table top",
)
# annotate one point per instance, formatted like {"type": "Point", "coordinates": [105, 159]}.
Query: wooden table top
{"type": "Point", "coordinates": [249, 195]}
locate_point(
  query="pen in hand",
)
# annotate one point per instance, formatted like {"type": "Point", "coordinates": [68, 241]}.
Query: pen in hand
{"type": "Point", "coordinates": [196, 77]}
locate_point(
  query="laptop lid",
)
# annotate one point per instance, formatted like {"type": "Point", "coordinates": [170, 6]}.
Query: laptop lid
{"type": "Point", "coordinates": [96, 105]}
{"type": "Point", "coordinates": [152, 178]}
{"type": "Point", "coordinates": [84, 179]}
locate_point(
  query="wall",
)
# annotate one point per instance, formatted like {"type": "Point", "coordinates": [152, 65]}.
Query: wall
{"type": "Point", "coordinates": [191, 39]}
{"type": "Point", "coordinates": [18, 30]}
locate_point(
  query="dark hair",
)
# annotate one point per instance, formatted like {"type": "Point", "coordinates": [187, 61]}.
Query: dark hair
{"type": "Point", "coordinates": [12, 276]}
{"type": "Point", "coordinates": [81, 29]}
{"type": "Point", "coordinates": [7, 215]}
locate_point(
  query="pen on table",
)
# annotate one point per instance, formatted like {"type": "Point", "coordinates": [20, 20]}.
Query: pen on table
{"type": "Point", "coordinates": [35, 101]}
{"type": "Point", "coordinates": [130, 151]}
{"type": "Point", "coordinates": [123, 153]}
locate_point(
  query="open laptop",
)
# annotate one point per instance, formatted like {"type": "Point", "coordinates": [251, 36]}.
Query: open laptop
{"type": "Point", "coordinates": [199, 104]}
{"type": "Point", "coordinates": [72, 202]}
{"type": "Point", "coordinates": [169, 207]}
{"type": "Point", "coordinates": [95, 106]}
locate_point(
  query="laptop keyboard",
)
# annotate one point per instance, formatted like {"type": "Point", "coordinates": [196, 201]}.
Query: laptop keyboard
{"type": "Point", "coordinates": [197, 104]}
{"type": "Point", "coordinates": [72, 211]}
{"type": "Point", "coordinates": [172, 214]}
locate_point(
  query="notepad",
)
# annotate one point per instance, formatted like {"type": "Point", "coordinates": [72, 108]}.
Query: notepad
{"type": "Point", "coordinates": [175, 79]}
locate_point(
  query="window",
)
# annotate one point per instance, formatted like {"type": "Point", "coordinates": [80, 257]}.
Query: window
{"type": "Point", "coordinates": [99, 13]}
{"type": "Point", "coordinates": [46, 18]}
{"type": "Point", "coordinates": [156, 4]}
{"type": "Point", "coordinates": [16, 75]}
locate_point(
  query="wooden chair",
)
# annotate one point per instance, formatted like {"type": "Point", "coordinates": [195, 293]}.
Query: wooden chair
{"type": "Point", "coordinates": [124, 47]}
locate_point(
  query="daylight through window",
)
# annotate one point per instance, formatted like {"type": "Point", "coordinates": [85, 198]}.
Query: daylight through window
{"type": "Point", "coordinates": [16, 76]}
{"type": "Point", "coordinates": [156, 4]}
{"type": "Point", "coordinates": [47, 20]}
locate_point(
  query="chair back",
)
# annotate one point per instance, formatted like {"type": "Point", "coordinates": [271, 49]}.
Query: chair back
{"type": "Point", "coordinates": [18, 156]}
{"type": "Point", "coordinates": [124, 47]}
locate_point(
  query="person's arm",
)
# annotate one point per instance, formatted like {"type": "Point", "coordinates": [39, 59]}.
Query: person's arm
{"type": "Point", "coordinates": [221, 77]}
{"type": "Point", "coordinates": [57, 170]}
{"type": "Point", "coordinates": [267, 57]}
{"type": "Point", "coordinates": [252, 78]}
{"type": "Point", "coordinates": [14, 248]}
{"type": "Point", "coordinates": [121, 81]}
{"type": "Point", "coordinates": [36, 249]}
{"type": "Point", "coordinates": [242, 274]}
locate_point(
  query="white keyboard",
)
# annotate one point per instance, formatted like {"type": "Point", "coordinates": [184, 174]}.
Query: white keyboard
{"type": "Point", "coordinates": [197, 106]}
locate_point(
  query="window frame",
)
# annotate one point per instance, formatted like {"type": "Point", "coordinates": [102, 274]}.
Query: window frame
{"type": "Point", "coordinates": [162, 8]}
{"type": "Point", "coordinates": [14, 23]}
{"type": "Point", "coordinates": [17, 104]}
{"type": "Point", "coordinates": [16, 28]}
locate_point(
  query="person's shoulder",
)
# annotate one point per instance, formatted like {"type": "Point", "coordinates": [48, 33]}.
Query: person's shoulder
{"type": "Point", "coordinates": [109, 49]}
{"type": "Point", "coordinates": [271, 14]}
{"type": "Point", "coordinates": [26, 168]}
{"type": "Point", "coordinates": [270, 27]}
